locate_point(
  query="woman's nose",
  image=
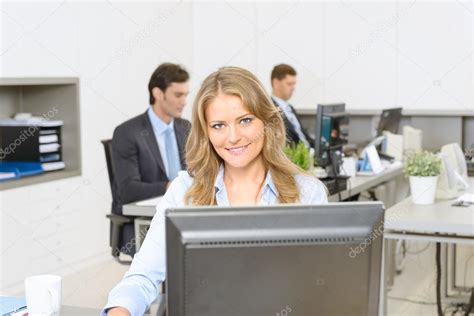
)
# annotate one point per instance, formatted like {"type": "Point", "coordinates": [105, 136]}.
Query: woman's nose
{"type": "Point", "coordinates": [234, 134]}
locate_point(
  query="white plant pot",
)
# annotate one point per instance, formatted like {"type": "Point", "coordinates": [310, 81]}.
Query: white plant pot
{"type": "Point", "coordinates": [423, 189]}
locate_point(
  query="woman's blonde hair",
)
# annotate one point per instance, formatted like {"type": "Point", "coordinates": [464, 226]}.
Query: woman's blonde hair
{"type": "Point", "coordinates": [203, 161]}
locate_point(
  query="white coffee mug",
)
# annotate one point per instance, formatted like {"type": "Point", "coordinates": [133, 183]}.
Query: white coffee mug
{"type": "Point", "coordinates": [43, 295]}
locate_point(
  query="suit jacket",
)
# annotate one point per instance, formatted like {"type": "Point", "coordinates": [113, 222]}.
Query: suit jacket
{"type": "Point", "coordinates": [291, 134]}
{"type": "Point", "coordinates": [139, 172]}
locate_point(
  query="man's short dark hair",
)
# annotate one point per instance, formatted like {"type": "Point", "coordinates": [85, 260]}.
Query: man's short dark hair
{"type": "Point", "coordinates": [164, 76]}
{"type": "Point", "coordinates": [280, 71]}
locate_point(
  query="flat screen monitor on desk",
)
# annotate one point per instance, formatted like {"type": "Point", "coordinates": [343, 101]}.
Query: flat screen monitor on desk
{"type": "Point", "coordinates": [310, 259]}
{"type": "Point", "coordinates": [332, 131]}
{"type": "Point", "coordinates": [389, 121]}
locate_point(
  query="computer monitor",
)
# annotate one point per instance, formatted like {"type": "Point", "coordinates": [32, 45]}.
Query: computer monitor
{"type": "Point", "coordinates": [331, 132]}
{"type": "Point", "coordinates": [389, 121]}
{"type": "Point", "coordinates": [310, 259]}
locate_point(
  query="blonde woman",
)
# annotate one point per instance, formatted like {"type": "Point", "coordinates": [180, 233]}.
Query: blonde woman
{"type": "Point", "coordinates": [235, 157]}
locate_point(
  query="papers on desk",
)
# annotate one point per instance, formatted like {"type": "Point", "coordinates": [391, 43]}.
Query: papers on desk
{"type": "Point", "coordinates": [393, 145]}
{"type": "Point", "coordinates": [10, 304]}
{"type": "Point", "coordinates": [386, 166]}
{"type": "Point", "coordinates": [467, 199]}
{"type": "Point", "coordinates": [150, 202]}
{"type": "Point", "coordinates": [371, 164]}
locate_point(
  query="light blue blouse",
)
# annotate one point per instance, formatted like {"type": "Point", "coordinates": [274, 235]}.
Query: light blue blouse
{"type": "Point", "coordinates": [140, 285]}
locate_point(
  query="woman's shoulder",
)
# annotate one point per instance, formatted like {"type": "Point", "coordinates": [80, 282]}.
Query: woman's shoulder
{"type": "Point", "coordinates": [182, 182]}
{"type": "Point", "coordinates": [178, 188]}
{"type": "Point", "coordinates": [307, 179]}
{"type": "Point", "coordinates": [183, 179]}
{"type": "Point", "coordinates": [312, 190]}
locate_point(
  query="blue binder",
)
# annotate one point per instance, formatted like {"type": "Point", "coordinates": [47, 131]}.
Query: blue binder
{"type": "Point", "coordinates": [20, 168]}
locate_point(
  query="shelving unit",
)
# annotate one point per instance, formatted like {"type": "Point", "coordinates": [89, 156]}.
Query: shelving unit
{"type": "Point", "coordinates": [51, 98]}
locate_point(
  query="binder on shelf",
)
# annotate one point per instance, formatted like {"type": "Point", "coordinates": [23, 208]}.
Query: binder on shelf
{"type": "Point", "coordinates": [33, 121]}
{"type": "Point", "coordinates": [29, 147]}
{"type": "Point", "coordinates": [8, 175]}
{"type": "Point", "coordinates": [50, 157]}
{"type": "Point", "coordinates": [21, 168]}
{"type": "Point", "coordinates": [49, 148]}
{"type": "Point", "coordinates": [52, 166]}
{"type": "Point", "coordinates": [45, 139]}
{"type": "Point", "coordinates": [47, 131]}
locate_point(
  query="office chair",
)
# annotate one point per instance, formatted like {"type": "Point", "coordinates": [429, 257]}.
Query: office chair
{"type": "Point", "coordinates": [116, 221]}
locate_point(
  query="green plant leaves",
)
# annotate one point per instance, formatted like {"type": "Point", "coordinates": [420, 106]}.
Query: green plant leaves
{"type": "Point", "coordinates": [422, 164]}
{"type": "Point", "coordinates": [299, 155]}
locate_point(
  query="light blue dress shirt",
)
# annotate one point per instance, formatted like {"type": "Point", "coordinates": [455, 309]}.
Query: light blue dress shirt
{"type": "Point", "coordinates": [159, 129]}
{"type": "Point", "coordinates": [140, 285]}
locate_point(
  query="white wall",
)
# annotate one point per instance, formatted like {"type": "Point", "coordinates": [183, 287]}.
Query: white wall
{"type": "Point", "coordinates": [60, 227]}
{"type": "Point", "coordinates": [367, 54]}
{"type": "Point", "coordinates": [373, 54]}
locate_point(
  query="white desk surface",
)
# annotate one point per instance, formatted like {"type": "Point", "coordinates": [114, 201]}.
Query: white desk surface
{"type": "Point", "coordinates": [355, 186]}
{"type": "Point", "coordinates": [360, 184]}
{"type": "Point", "coordinates": [80, 311]}
{"type": "Point", "coordinates": [438, 218]}
{"type": "Point", "coordinates": [142, 208]}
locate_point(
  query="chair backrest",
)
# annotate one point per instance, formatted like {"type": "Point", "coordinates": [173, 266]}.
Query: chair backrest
{"type": "Point", "coordinates": [108, 157]}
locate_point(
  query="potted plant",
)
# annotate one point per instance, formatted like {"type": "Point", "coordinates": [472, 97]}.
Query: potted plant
{"type": "Point", "coordinates": [300, 155]}
{"type": "Point", "coordinates": [423, 169]}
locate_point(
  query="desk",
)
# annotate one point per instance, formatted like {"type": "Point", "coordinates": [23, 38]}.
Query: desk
{"type": "Point", "coordinates": [360, 184]}
{"type": "Point", "coordinates": [439, 222]}
{"type": "Point", "coordinates": [145, 210]}
{"type": "Point", "coordinates": [355, 186]}
{"type": "Point", "coordinates": [141, 208]}
{"type": "Point", "coordinates": [81, 311]}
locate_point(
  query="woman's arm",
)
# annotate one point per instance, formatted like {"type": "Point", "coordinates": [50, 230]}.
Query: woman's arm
{"type": "Point", "coordinates": [140, 285]}
{"type": "Point", "coordinates": [118, 311]}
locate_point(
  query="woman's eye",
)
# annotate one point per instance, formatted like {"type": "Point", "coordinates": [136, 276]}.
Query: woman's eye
{"type": "Point", "coordinates": [217, 126]}
{"type": "Point", "coordinates": [246, 120]}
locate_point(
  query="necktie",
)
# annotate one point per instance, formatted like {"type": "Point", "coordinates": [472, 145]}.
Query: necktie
{"type": "Point", "coordinates": [174, 164]}
{"type": "Point", "coordinates": [294, 121]}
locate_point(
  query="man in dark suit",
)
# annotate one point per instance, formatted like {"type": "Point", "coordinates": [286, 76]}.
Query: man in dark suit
{"type": "Point", "coordinates": [148, 150]}
{"type": "Point", "coordinates": [283, 84]}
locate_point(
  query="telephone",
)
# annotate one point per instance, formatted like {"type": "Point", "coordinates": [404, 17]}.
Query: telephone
{"type": "Point", "coordinates": [453, 177]}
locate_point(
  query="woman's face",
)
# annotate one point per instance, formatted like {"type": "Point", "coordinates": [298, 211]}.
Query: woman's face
{"type": "Point", "coordinates": [236, 135]}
